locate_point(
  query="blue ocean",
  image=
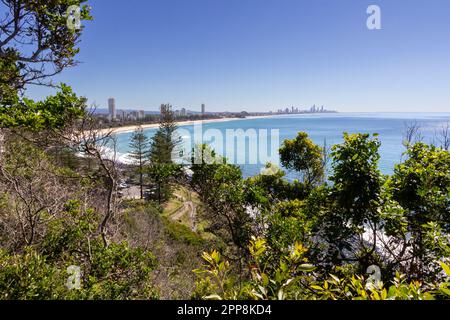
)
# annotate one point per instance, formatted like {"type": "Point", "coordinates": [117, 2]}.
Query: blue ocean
{"type": "Point", "coordinates": [322, 128]}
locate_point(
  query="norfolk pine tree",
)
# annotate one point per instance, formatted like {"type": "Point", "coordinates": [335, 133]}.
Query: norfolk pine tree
{"type": "Point", "coordinates": [140, 152]}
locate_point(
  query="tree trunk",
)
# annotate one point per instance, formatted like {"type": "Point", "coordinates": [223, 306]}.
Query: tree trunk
{"type": "Point", "coordinates": [2, 138]}
{"type": "Point", "coordinates": [109, 211]}
{"type": "Point", "coordinates": [141, 180]}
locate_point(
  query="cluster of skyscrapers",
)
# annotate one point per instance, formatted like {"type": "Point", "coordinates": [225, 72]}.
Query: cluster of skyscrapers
{"type": "Point", "coordinates": [294, 110]}
{"type": "Point", "coordinates": [115, 114]}
{"type": "Point", "coordinates": [183, 112]}
{"type": "Point", "coordinates": [123, 115]}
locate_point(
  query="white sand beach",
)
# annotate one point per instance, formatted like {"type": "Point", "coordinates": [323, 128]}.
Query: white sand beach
{"type": "Point", "coordinates": [131, 128]}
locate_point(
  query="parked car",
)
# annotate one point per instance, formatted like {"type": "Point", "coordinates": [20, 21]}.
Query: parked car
{"type": "Point", "coordinates": [123, 186]}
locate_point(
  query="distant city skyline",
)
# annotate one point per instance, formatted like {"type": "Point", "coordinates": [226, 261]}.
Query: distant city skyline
{"type": "Point", "coordinates": [182, 111]}
{"type": "Point", "coordinates": [257, 55]}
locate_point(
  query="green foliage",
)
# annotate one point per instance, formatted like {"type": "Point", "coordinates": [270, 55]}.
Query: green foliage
{"type": "Point", "coordinates": [444, 287]}
{"type": "Point", "coordinates": [31, 181]}
{"type": "Point", "coordinates": [55, 112]}
{"type": "Point", "coordinates": [217, 282]}
{"type": "Point", "coordinates": [140, 153]}
{"type": "Point", "coordinates": [119, 272]}
{"type": "Point", "coordinates": [162, 170]}
{"type": "Point", "coordinates": [28, 276]}
{"type": "Point", "coordinates": [272, 186]}
{"type": "Point", "coordinates": [50, 47]}
{"type": "Point", "coordinates": [357, 288]}
{"type": "Point", "coordinates": [50, 44]}
{"type": "Point", "coordinates": [163, 175]}
{"type": "Point", "coordinates": [221, 188]}
{"type": "Point", "coordinates": [422, 184]}
{"type": "Point", "coordinates": [9, 77]}
{"type": "Point", "coordinates": [294, 278]}
{"type": "Point", "coordinates": [287, 224]}
{"type": "Point", "coordinates": [140, 146]}
{"type": "Point", "coordinates": [182, 233]}
{"type": "Point", "coordinates": [357, 180]}
{"type": "Point", "coordinates": [398, 223]}
{"type": "Point", "coordinates": [338, 215]}
{"type": "Point", "coordinates": [277, 281]}
{"type": "Point", "coordinates": [302, 155]}
{"type": "Point", "coordinates": [40, 272]}
{"type": "Point", "coordinates": [266, 282]}
{"type": "Point", "coordinates": [35, 44]}
{"type": "Point", "coordinates": [163, 142]}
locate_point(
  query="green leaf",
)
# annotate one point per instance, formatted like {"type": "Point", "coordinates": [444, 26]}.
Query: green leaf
{"type": "Point", "coordinates": [315, 287]}
{"type": "Point", "coordinates": [306, 267]}
{"type": "Point", "coordinates": [445, 291]}
{"type": "Point", "coordinates": [335, 278]}
{"type": "Point", "coordinates": [265, 279]}
{"type": "Point", "coordinates": [446, 268]}
{"type": "Point", "coordinates": [213, 297]}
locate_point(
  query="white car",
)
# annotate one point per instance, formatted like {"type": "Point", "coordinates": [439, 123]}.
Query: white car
{"type": "Point", "coordinates": [123, 185]}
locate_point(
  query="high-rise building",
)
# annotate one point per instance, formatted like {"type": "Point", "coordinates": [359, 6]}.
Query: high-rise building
{"type": "Point", "coordinates": [112, 109]}
{"type": "Point", "coordinates": [183, 112]}
{"type": "Point", "coordinates": [203, 108]}
{"type": "Point", "coordinates": [122, 114]}
{"type": "Point", "coordinates": [141, 114]}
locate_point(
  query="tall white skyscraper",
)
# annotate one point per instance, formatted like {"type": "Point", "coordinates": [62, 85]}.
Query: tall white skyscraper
{"type": "Point", "coordinates": [112, 108]}
{"type": "Point", "coordinates": [203, 108]}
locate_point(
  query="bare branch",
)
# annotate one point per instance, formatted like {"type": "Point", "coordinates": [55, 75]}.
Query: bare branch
{"type": "Point", "coordinates": [443, 136]}
{"type": "Point", "coordinates": [413, 133]}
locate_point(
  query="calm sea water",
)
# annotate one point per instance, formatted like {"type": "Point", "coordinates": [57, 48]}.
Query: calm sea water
{"type": "Point", "coordinates": [320, 127]}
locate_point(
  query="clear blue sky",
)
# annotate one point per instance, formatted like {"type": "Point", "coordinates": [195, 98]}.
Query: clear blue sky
{"type": "Point", "coordinates": [259, 55]}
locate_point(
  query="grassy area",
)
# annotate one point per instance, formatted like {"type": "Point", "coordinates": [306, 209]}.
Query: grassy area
{"type": "Point", "coordinates": [177, 248]}
{"type": "Point", "coordinates": [180, 232]}
{"type": "Point", "coordinates": [178, 228]}
{"type": "Point", "coordinates": [181, 195]}
{"type": "Point", "coordinates": [172, 206]}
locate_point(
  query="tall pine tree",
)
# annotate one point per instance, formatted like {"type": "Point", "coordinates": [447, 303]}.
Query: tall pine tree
{"type": "Point", "coordinates": [140, 152]}
{"type": "Point", "coordinates": [162, 169]}
{"type": "Point", "coordinates": [163, 142]}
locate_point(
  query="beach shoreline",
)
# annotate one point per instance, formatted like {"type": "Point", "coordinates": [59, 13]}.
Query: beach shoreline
{"type": "Point", "coordinates": [131, 128]}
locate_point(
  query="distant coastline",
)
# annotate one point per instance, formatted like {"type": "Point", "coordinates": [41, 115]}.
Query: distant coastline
{"type": "Point", "coordinates": [131, 128]}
